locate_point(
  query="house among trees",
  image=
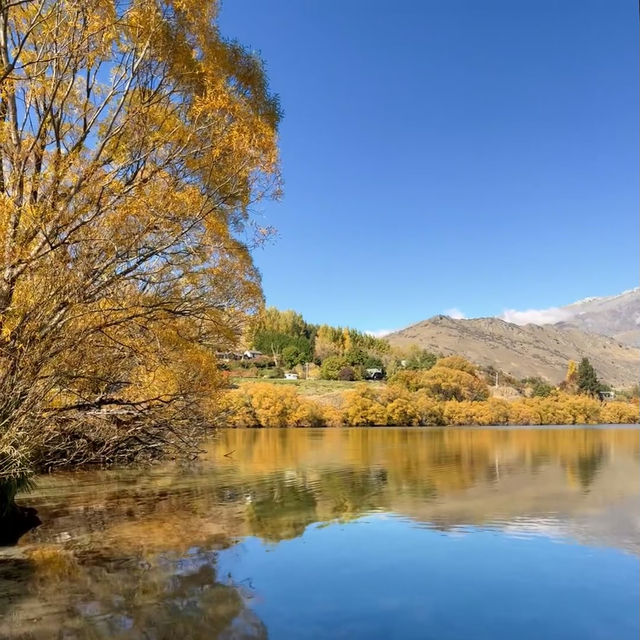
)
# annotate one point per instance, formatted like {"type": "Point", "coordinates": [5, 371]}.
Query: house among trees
{"type": "Point", "coordinates": [251, 354]}
{"type": "Point", "coordinates": [289, 375]}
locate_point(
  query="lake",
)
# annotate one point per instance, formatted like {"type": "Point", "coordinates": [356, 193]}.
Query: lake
{"type": "Point", "coordinates": [454, 533]}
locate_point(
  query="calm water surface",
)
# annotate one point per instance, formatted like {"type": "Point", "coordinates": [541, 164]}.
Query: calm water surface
{"type": "Point", "coordinates": [341, 533]}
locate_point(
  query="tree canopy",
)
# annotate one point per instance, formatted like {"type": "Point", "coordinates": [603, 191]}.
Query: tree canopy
{"type": "Point", "coordinates": [587, 379]}
{"type": "Point", "coordinates": [287, 337]}
{"type": "Point", "coordinates": [133, 140]}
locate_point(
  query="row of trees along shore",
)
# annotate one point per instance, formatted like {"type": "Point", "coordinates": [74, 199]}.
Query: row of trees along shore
{"type": "Point", "coordinates": [423, 388]}
{"type": "Point", "coordinates": [450, 392]}
{"type": "Point", "coordinates": [134, 140]}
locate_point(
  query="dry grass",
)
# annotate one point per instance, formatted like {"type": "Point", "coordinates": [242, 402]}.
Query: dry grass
{"type": "Point", "coordinates": [325, 391]}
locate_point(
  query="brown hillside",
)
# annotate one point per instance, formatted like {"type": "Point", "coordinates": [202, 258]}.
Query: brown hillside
{"type": "Point", "coordinates": [614, 316]}
{"type": "Point", "coordinates": [523, 351]}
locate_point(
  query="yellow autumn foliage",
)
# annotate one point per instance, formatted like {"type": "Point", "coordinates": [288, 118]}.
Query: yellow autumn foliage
{"type": "Point", "coordinates": [445, 383]}
{"type": "Point", "coordinates": [402, 411]}
{"type": "Point", "coordinates": [269, 405]}
{"type": "Point", "coordinates": [364, 407]}
{"type": "Point", "coordinates": [619, 413]}
{"type": "Point", "coordinates": [134, 139]}
{"type": "Point", "coordinates": [456, 362]}
{"type": "Point", "coordinates": [480, 413]}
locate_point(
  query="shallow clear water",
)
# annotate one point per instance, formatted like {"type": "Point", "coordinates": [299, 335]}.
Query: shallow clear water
{"type": "Point", "coordinates": [341, 533]}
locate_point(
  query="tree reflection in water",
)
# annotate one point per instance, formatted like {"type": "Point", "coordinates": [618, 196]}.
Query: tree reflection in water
{"type": "Point", "coordinates": [55, 593]}
{"type": "Point", "coordinates": [132, 553]}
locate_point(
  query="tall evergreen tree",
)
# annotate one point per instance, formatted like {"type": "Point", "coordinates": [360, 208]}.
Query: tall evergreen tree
{"type": "Point", "coordinates": [587, 378]}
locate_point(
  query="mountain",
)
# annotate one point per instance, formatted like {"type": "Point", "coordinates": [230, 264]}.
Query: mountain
{"type": "Point", "coordinates": [528, 350]}
{"type": "Point", "coordinates": [614, 316]}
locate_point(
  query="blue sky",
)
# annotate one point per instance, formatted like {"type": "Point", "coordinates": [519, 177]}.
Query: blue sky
{"type": "Point", "coordinates": [440, 154]}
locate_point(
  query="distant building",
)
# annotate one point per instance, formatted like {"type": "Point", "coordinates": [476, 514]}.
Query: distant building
{"type": "Point", "coordinates": [250, 355]}
{"type": "Point", "coordinates": [226, 356]}
{"type": "Point", "coordinates": [290, 376]}
{"type": "Point", "coordinates": [607, 395]}
{"type": "Point", "coordinates": [373, 374]}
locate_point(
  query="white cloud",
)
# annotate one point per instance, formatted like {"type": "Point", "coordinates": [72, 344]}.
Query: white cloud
{"type": "Point", "coordinates": [455, 313]}
{"type": "Point", "coordinates": [380, 333]}
{"type": "Point", "coordinates": [536, 316]}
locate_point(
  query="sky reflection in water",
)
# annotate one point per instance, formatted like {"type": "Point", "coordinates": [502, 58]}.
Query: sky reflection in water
{"type": "Point", "coordinates": [354, 533]}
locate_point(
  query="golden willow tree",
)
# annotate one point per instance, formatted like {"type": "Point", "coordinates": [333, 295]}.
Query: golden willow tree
{"type": "Point", "coordinates": [133, 141]}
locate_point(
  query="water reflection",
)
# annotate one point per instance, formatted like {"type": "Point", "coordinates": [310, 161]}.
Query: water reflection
{"type": "Point", "coordinates": [130, 554]}
{"type": "Point", "coordinates": [54, 592]}
{"type": "Point", "coordinates": [444, 478]}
